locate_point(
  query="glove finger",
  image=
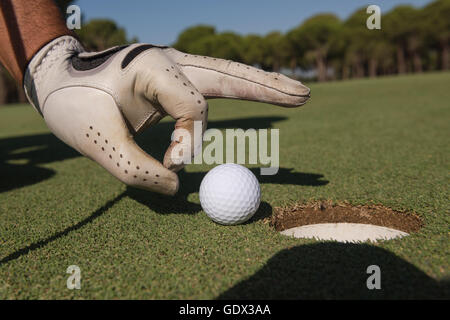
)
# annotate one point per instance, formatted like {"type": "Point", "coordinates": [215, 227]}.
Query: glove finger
{"type": "Point", "coordinates": [219, 78]}
{"type": "Point", "coordinates": [88, 120]}
{"type": "Point", "coordinates": [186, 143]}
{"type": "Point", "coordinates": [179, 98]}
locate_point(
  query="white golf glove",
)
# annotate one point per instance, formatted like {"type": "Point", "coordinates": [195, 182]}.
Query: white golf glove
{"type": "Point", "coordinates": [96, 102]}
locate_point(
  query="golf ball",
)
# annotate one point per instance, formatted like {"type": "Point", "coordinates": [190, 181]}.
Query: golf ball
{"type": "Point", "coordinates": [230, 194]}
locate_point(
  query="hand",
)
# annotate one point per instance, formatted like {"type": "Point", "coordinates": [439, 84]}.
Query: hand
{"type": "Point", "coordinates": [96, 102]}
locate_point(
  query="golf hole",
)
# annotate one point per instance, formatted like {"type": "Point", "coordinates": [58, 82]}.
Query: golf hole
{"type": "Point", "coordinates": [343, 222]}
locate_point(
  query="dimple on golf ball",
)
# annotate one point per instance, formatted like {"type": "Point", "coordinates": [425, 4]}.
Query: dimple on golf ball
{"type": "Point", "coordinates": [230, 194]}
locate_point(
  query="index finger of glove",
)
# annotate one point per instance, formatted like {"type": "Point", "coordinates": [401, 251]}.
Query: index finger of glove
{"type": "Point", "coordinates": [219, 78]}
{"type": "Point", "coordinates": [179, 98]}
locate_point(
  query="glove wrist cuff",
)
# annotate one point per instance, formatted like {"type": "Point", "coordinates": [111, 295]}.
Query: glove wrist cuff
{"type": "Point", "coordinates": [42, 65]}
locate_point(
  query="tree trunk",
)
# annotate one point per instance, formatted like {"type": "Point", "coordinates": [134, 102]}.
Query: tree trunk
{"type": "Point", "coordinates": [358, 69]}
{"type": "Point", "coordinates": [401, 63]}
{"type": "Point", "coordinates": [417, 62]}
{"type": "Point", "coordinates": [321, 68]}
{"type": "Point", "coordinates": [275, 66]}
{"type": "Point", "coordinates": [345, 72]}
{"type": "Point", "coordinates": [373, 66]}
{"type": "Point", "coordinates": [444, 56]}
{"type": "Point", "coordinates": [293, 65]}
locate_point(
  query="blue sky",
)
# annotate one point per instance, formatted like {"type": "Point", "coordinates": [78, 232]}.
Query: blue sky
{"type": "Point", "coordinates": [160, 22]}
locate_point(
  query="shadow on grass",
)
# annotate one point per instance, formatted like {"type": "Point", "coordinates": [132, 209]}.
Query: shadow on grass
{"type": "Point", "coordinates": [163, 204]}
{"type": "Point", "coordinates": [15, 176]}
{"type": "Point", "coordinates": [264, 211]}
{"type": "Point", "coordinates": [39, 244]}
{"type": "Point", "coordinates": [156, 139]}
{"type": "Point", "coordinates": [178, 204]}
{"type": "Point", "coordinates": [192, 180]}
{"type": "Point", "coordinates": [191, 184]}
{"type": "Point", "coordinates": [336, 271]}
{"type": "Point", "coordinates": [21, 157]}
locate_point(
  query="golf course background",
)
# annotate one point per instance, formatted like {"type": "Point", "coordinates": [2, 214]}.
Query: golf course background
{"type": "Point", "coordinates": [384, 140]}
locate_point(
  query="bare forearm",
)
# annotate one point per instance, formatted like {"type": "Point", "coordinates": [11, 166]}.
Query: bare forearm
{"type": "Point", "coordinates": [25, 26]}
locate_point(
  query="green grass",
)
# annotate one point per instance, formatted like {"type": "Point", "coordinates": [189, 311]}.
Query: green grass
{"type": "Point", "coordinates": [383, 141]}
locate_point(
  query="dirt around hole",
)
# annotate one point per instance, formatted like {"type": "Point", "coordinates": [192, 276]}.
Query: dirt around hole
{"type": "Point", "coordinates": [329, 212]}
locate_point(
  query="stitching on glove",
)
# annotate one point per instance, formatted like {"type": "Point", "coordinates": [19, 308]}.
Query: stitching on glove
{"type": "Point", "coordinates": [240, 98]}
{"type": "Point", "coordinates": [242, 78]}
{"type": "Point", "coordinates": [105, 89]}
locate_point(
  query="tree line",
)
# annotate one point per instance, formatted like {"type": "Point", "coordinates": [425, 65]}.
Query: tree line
{"type": "Point", "coordinates": [410, 40]}
{"type": "Point", "coordinates": [321, 48]}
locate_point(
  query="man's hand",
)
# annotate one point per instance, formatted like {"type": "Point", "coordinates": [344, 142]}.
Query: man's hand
{"type": "Point", "coordinates": [97, 102]}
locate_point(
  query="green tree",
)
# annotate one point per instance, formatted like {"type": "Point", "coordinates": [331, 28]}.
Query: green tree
{"type": "Point", "coordinates": [315, 38]}
{"type": "Point", "coordinates": [437, 28]}
{"type": "Point", "coordinates": [356, 37]}
{"type": "Point", "coordinates": [100, 34]}
{"type": "Point", "coordinates": [276, 51]}
{"type": "Point", "coordinates": [366, 51]}
{"type": "Point", "coordinates": [188, 37]}
{"type": "Point", "coordinates": [403, 28]}
{"type": "Point", "coordinates": [225, 45]}
{"type": "Point", "coordinates": [253, 49]}
{"type": "Point", "coordinates": [338, 58]}
{"type": "Point", "coordinates": [295, 53]}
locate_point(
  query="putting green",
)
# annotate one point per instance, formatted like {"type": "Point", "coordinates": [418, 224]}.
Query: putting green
{"type": "Point", "coordinates": [365, 141]}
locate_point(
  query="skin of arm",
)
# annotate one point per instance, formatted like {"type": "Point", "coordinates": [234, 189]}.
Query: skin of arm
{"type": "Point", "coordinates": [25, 27]}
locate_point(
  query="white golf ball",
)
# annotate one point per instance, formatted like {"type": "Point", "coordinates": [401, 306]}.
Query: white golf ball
{"type": "Point", "coordinates": [230, 194]}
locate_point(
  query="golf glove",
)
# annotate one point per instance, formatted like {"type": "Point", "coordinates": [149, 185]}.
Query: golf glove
{"type": "Point", "coordinates": [97, 101]}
